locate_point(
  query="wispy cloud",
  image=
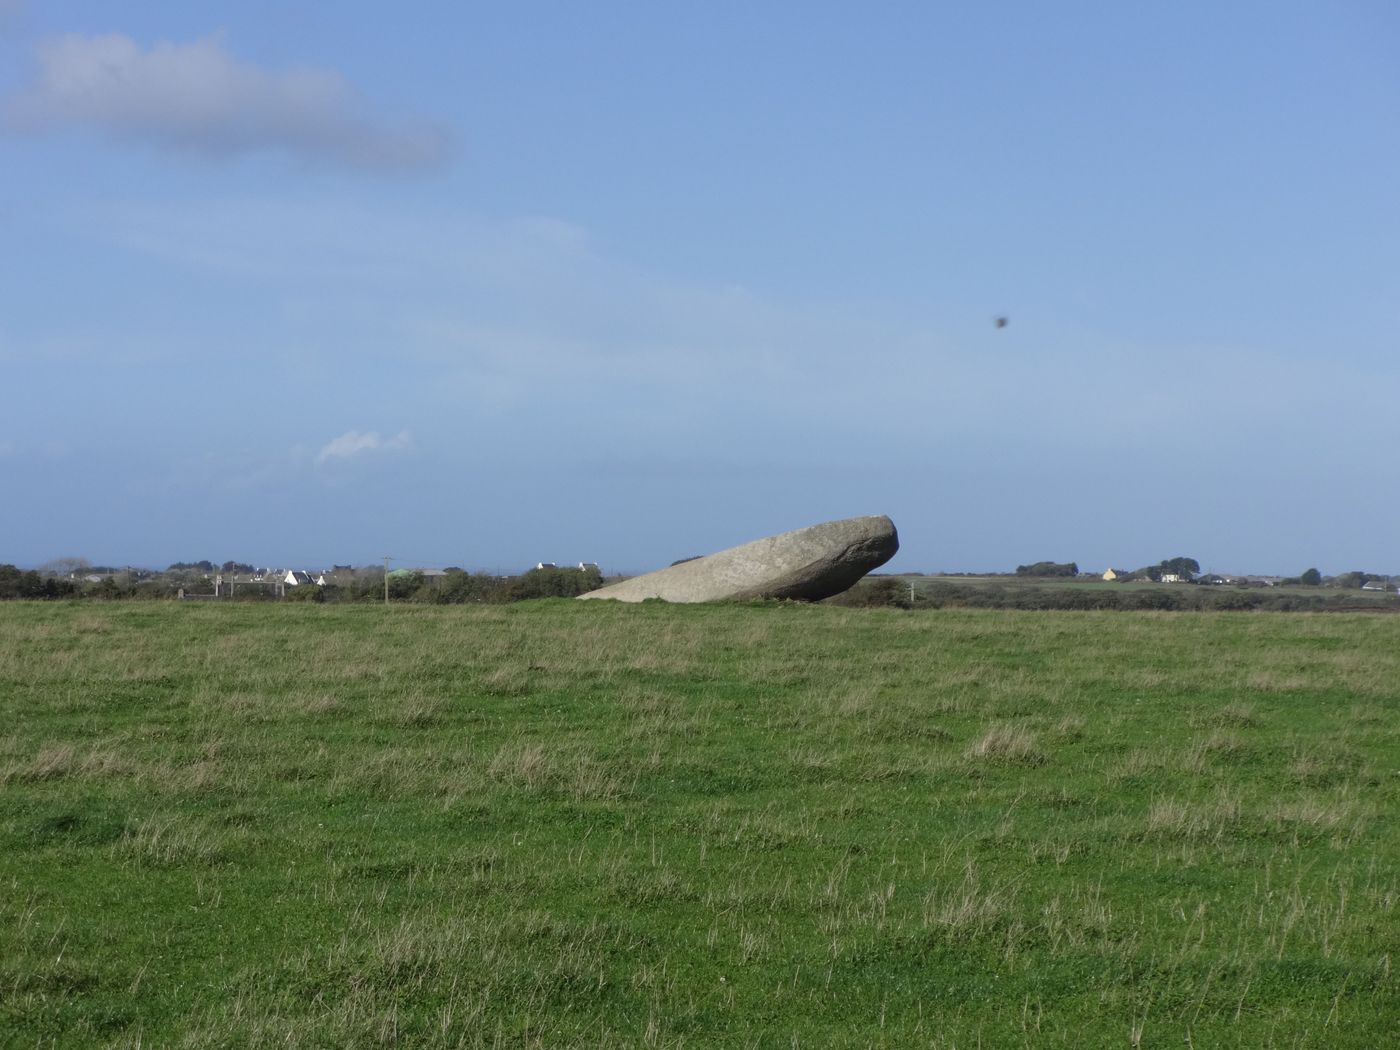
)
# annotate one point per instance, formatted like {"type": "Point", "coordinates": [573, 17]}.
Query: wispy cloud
{"type": "Point", "coordinates": [356, 443]}
{"type": "Point", "coordinates": [447, 310]}
{"type": "Point", "coordinates": [199, 99]}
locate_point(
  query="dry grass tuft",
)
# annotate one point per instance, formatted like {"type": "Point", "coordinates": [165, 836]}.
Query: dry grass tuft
{"type": "Point", "coordinates": [1319, 766]}
{"type": "Point", "coordinates": [1071, 728]}
{"type": "Point", "coordinates": [1170, 816]}
{"type": "Point", "coordinates": [319, 705]}
{"type": "Point", "coordinates": [92, 623]}
{"type": "Point", "coordinates": [969, 910]}
{"type": "Point", "coordinates": [1269, 681]}
{"type": "Point", "coordinates": [1367, 714]}
{"type": "Point", "coordinates": [1138, 764]}
{"type": "Point", "coordinates": [506, 681]}
{"type": "Point", "coordinates": [1009, 745]}
{"type": "Point", "coordinates": [523, 765]}
{"type": "Point", "coordinates": [591, 781]}
{"type": "Point", "coordinates": [1312, 816]}
{"type": "Point", "coordinates": [577, 776]}
{"type": "Point", "coordinates": [648, 702]}
{"type": "Point", "coordinates": [1221, 745]}
{"type": "Point", "coordinates": [165, 842]}
{"type": "Point", "coordinates": [50, 763]}
{"type": "Point", "coordinates": [1236, 713]}
{"type": "Point", "coordinates": [65, 762]}
{"type": "Point", "coordinates": [1175, 818]}
{"type": "Point", "coordinates": [419, 712]}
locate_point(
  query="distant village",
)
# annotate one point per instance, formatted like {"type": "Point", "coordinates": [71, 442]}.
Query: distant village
{"type": "Point", "coordinates": [1371, 583]}
{"type": "Point", "coordinates": [205, 580]}
{"type": "Point", "coordinates": [226, 583]}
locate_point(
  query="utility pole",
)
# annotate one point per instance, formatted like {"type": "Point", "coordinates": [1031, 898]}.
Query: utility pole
{"type": "Point", "coordinates": [386, 579]}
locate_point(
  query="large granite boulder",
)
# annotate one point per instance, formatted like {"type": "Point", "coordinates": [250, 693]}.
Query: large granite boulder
{"type": "Point", "coordinates": [807, 564]}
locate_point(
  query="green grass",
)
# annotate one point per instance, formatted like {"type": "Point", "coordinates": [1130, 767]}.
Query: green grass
{"type": "Point", "coordinates": [583, 824]}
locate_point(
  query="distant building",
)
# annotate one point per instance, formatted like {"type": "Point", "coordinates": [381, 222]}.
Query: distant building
{"type": "Point", "coordinates": [1171, 577]}
{"type": "Point", "coordinates": [1114, 574]}
{"type": "Point", "coordinates": [297, 578]}
{"type": "Point", "coordinates": [589, 566]}
{"type": "Point", "coordinates": [546, 565]}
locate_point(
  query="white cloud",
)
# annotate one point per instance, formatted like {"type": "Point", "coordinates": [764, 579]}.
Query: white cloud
{"type": "Point", "coordinates": [199, 99]}
{"type": "Point", "coordinates": [358, 443]}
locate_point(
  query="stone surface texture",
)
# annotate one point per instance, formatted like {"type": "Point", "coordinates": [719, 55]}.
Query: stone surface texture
{"type": "Point", "coordinates": [806, 564]}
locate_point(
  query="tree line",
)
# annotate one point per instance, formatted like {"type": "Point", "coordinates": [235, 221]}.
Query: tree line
{"type": "Point", "coordinates": [889, 592]}
{"type": "Point", "coordinates": [456, 587]}
{"type": "Point", "coordinates": [1189, 570]}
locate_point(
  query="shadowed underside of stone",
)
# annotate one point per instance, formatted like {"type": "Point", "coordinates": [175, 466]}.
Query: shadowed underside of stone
{"type": "Point", "coordinates": [807, 564]}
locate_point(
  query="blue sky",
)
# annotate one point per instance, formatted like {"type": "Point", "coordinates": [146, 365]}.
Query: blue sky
{"type": "Point", "coordinates": [489, 284]}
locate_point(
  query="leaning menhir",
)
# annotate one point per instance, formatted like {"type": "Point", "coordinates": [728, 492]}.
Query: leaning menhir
{"type": "Point", "coordinates": [807, 564]}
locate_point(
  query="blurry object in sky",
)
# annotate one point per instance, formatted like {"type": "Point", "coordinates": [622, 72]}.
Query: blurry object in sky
{"type": "Point", "coordinates": [1001, 322]}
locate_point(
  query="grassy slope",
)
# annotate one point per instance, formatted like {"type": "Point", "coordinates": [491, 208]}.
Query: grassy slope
{"type": "Point", "coordinates": [583, 824]}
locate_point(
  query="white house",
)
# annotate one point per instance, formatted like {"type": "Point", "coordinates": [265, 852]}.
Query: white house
{"type": "Point", "coordinates": [296, 578]}
{"type": "Point", "coordinates": [335, 576]}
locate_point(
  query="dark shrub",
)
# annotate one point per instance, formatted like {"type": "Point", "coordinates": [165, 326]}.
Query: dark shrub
{"type": "Point", "coordinates": [554, 583]}
{"type": "Point", "coordinates": [873, 592]}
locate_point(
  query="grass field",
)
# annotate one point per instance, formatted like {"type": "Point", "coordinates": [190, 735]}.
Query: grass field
{"type": "Point", "coordinates": [582, 824]}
